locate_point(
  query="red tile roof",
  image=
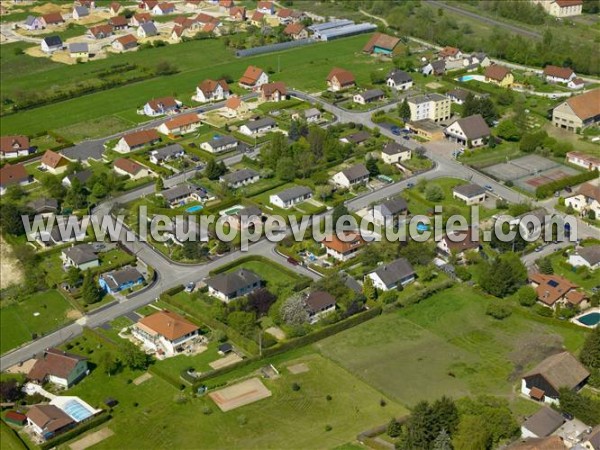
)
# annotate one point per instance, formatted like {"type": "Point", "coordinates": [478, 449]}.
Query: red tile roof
{"type": "Point", "coordinates": [352, 240]}
{"type": "Point", "coordinates": [496, 72]}
{"type": "Point", "coordinates": [12, 143]}
{"type": "Point", "coordinates": [127, 165]}
{"type": "Point", "coordinates": [237, 11]}
{"type": "Point", "coordinates": [13, 174]}
{"type": "Point", "coordinates": [343, 76]}
{"type": "Point", "coordinates": [162, 103]}
{"type": "Point", "coordinates": [293, 29]}
{"type": "Point", "coordinates": [182, 120]}
{"type": "Point", "coordinates": [206, 18]}
{"type": "Point", "coordinates": [209, 86]}
{"type": "Point", "coordinates": [381, 40]}
{"type": "Point", "coordinates": [53, 18]}
{"type": "Point", "coordinates": [53, 159]}
{"type": "Point", "coordinates": [101, 30]}
{"type": "Point", "coordinates": [127, 39]}
{"type": "Point", "coordinates": [233, 102]}
{"type": "Point", "coordinates": [448, 51]}
{"type": "Point", "coordinates": [168, 324]}
{"type": "Point", "coordinates": [251, 75]}
{"type": "Point", "coordinates": [54, 362]}
{"type": "Point", "coordinates": [141, 137]}
{"type": "Point", "coordinates": [257, 16]}
{"type": "Point", "coordinates": [567, 3]}
{"type": "Point", "coordinates": [115, 6]}
{"type": "Point", "coordinates": [143, 17]}
{"type": "Point", "coordinates": [586, 106]}
{"type": "Point", "coordinates": [551, 288]}
{"type": "Point", "coordinates": [118, 21]}
{"type": "Point", "coordinates": [558, 72]}
{"type": "Point", "coordinates": [269, 89]}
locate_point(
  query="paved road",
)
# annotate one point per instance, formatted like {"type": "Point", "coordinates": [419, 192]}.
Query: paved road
{"type": "Point", "coordinates": [170, 274]}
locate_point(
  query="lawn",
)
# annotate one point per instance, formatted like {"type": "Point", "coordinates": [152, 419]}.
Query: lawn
{"type": "Point", "coordinates": [275, 276]}
{"type": "Point", "coordinates": [18, 322]}
{"type": "Point", "coordinates": [564, 269]}
{"type": "Point", "coordinates": [303, 68]}
{"type": "Point", "coordinates": [484, 157]}
{"type": "Point", "coordinates": [447, 345]}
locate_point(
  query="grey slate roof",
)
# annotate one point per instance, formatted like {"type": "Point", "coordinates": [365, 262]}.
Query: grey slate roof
{"type": "Point", "coordinates": [372, 94]}
{"type": "Point", "coordinates": [311, 112]}
{"type": "Point", "coordinates": [149, 28]}
{"type": "Point", "coordinates": [168, 151]}
{"type": "Point", "coordinates": [81, 254]}
{"type": "Point", "coordinates": [223, 141]}
{"type": "Point", "coordinates": [82, 11]}
{"type": "Point", "coordinates": [561, 370]}
{"type": "Point", "coordinates": [460, 94]}
{"type": "Point", "coordinates": [120, 277]}
{"type": "Point", "coordinates": [83, 176]}
{"type": "Point", "coordinates": [544, 422]}
{"type": "Point", "coordinates": [182, 191]}
{"type": "Point", "coordinates": [319, 300]}
{"type": "Point", "coordinates": [30, 20]}
{"type": "Point", "coordinates": [294, 192]}
{"type": "Point", "coordinates": [231, 283]}
{"type": "Point", "coordinates": [469, 190]}
{"type": "Point", "coordinates": [395, 271]}
{"type": "Point", "coordinates": [393, 148]}
{"type": "Point", "coordinates": [439, 66]}
{"type": "Point", "coordinates": [260, 123]}
{"type": "Point", "coordinates": [474, 127]}
{"type": "Point", "coordinates": [356, 172]}
{"type": "Point", "coordinates": [249, 211]}
{"type": "Point", "coordinates": [591, 254]}
{"type": "Point", "coordinates": [393, 206]}
{"type": "Point", "coordinates": [239, 175]}
{"type": "Point", "coordinates": [84, 151]}
{"type": "Point", "coordinates": [359, 137]}
{"type": "Point", "coordinates": [79, 47]}
{"type": "Point", "coordinates": [41, 205]}
{"type": "Point", "coordinates": [399, 76]}
{"type": "Point", "coordinates": [426, 98]}
{"type": "Point", "coordinates": [53, 41]}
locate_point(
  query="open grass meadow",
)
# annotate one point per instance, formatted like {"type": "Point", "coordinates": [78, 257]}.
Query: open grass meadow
{"type": "Point", "coordinates": [304, 67]}
{"type": "Point", "coordinates": [447, 345]}
{"type": "Point", "coordinates": [154, 414]}
{"type": "Point", "coordinates": [18, 321]}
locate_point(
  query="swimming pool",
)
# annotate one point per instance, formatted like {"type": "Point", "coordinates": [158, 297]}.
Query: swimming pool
{"type": "Point", "coordinates": [194, 208]}
{"type": "Point", "coordinates": [76, 410]}
{"type": "Point", "coordinates": [231, 211]}
{"type": "Point", "coordinates": [470, 78]}
{"type": "Point", "coordinates": [590, 320]}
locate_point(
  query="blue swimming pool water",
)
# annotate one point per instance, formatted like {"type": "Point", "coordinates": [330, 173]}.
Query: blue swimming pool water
{"type": "Point", "coordinates": [422, 227]}
{"type": "Point", "coordinates": [195, 208]}
{"type": "Point", "coordinates": [466, 78]}
{"type": "Point", "coordinates": [590, 319]}
{"type": "Point", "coordinates": [77, 411]}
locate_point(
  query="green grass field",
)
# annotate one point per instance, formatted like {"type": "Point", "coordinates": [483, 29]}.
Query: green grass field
{"type": "Point", "coordinates": [18, 321]}
{"type": "Point", "coordinates": [196, 61]}
{"type": "Point", "coordinates": [275, 276]}
{"type": "Point", "coordinates": [448, 345]}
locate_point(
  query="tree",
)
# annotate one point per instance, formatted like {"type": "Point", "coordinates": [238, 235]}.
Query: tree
{"type": "Point", "coordinates": [503, 276]}
{"type": "Point", "coordinates": [261, 300]}
{"type": "Point", "coordinates": [243, 322]}
{"type": "Point", "coordinates": [90, 293]}
{"type": "Point", "coordinates": [10, 391]}
{"type": "Point", "coordinates": [421, 184]}
{"type": "Point", "coordinates": [404, 110]}
{"type": "Point", "coordinates": [214, 169]}
{"type": "Point", "coordinates": [445, 414]}
{"type": "Point", "coordinates": [100, 190]}
{"type": "Point", "coordinates": [531, 141]}
{"type": "Point", "coordinates": [133, 357]}
{"type": "Point", "coordinates": [585, 408]}
{"type": "Point", "coordinates": [418, 253]}
{"type": "Point", "coordinates": [498, 309]}
{"type": "Point", "coordinates": [420, 152]}
{"type": "Point", "coordinates": [508, 131]}
{"type": "Point", "coordinates": [590, 353]}
{"type": "Point", "coordinates": [472, 434]}
{"type": "Point", "coordinates": [159, 186]}
{"type": "Point", "coordinates": [372, 167]}
{"type": "Point", "coordinates": [286, 169]}
{"type": "Point", "coordinates": [545, 266]}
{"type": "Point", "coordinates": [193, 250]}
{"type": "Point", "coordinates": [442, 441]}
{"type": "Point", "coordinates": [108, 362]}
{"type": "Point", "coordinates": [10, 219]}
{"type": "Point", "coordinates": [420, 427]}
{"type": "Point", "coordinates": [527, 296]}
{"type": "Point", "coordinates": [73, 276]}
{"type": "Point", "coordinates": [295, 130]}
{"type": "Point", "coordinates": [323, 192]}
{"type": "Point", "coordinates": [293, 311]}
{"type": "Point", "coordinates": [434, 193]}
{"type": "Point", "coordinates": [53, 187]}
{"type": "Point", "coordinates": [76, 197]}
{"type": "Point", "coordinates": [339, 211]}
{"type": "Point", "coordinates": [369, 290]}
{"type": "Point", "coordinates": [394, 428]}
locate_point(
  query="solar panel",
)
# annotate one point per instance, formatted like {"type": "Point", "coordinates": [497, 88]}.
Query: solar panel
{"type": "Point", "coordinates": [553, 283]}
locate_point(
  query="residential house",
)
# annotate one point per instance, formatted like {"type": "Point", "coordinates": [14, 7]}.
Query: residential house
{"type": "Point", "coordinates": [14, 146]}
{"type": "Point", "coordinates": [165, 332]}
{"type": "Point", "coordinates": [228, 286]}
{"type": "Point", "coordinates": [13, 175]}
{"type": "Point", "coordinates": [399, 80]}
{"type": "Point", "coordinates": [130, 168]}
{"type": "Point", "coordinates": [393, 275]}
{"type": "Point", "coordinates": [76, 233]}
{"type": "Point", "coordinates": [586, 257]}
{"type": "Point", "coordinates": [48, 421]}
{"type": "Point", "coordinates": [586, 199]}
{"type": "Point", "coordinates": [436, 68]}
{"type": "Point", "coordinates": [393, 153]}
{"type": "Point", "coordinates": [561, 8]}
{"type": "Point", "coordinates": [79, 12]}
{"type": "Point", "coordinates": [211, 28]}
{"type": "Point", "coordinates": [556, 291]}
{"type": "Point", "coordinates": [370, 96]}
{"type": "Point", "coordinates": [136, 140]}
{"type": "Point", "coordinates": [253, 78]}
{"type": "Point", "coordinates": [240, 178]}
{"type": "Point", "coordinates": [220, 144]}
{"type": "Point", "coordinates": [81, 176]}
{"type": "Point", "coordinates": [499, 75]}
{"type": "Point", "coordinates": [381, 44]}
{"type": "Point", "coordinates": [357, 138]}
{"type": "Point", "coordinates": [433, 106]}
{"type": "Point", "coordinates": [140, 18]}
{"type": "Point", "coordinates": [180, 124]}
{"type": "Point", "coordinates": [81, 256]}
{"type": "Point", "coordinates": [237, 13]}
{"type": "Point", "coordinates": [472, 131]}
{"type": "Point", "coordinates": [225, 5]}
{"type": "Point", "coordinates": [578, 112]}
{"type": "Point", "coordinates": [458, 96]}
{"type": "Point", "coordinates": [163, 9]}
{"type": "Point", "coordinates": [33, 23]}
{"type": "Point", "coordinates": [592, 439]}
{"type": "Point", "coordinates": [273, 92]}
{"type": "Point", "coordinates": [390, 212]}
{"type": "Point", "coordinates": [561, 370]}
{"type": "Point", "coordinates": [212, 90]}
{"type": "Point", "coordinates": [296, 31]}
{"type": "Point", "coordinates": [53, 162]}
{"type": "Point", "coordinates": [101, 31]}
{"type": "Point", "coordinates": [124, 43]}
{"type": "Point", "coordinates": [318, 305]}
{"type": "Point", "coordinates": [476, 60]}
{"type": "Point", "coordinates": [346, 248]}
{"type": "Point", "coordinates": [89, 4]}
{"type": "Point", "coordinates": [542, 424]}
{"type": "Point", "coordinates": [555, 74]}
{"type": "Point", "coordinates": [79, 50]}
{"type": "Point", "coordinates": [265, 7]}
{"type": "Point", "coordinates": [121, 279]}
{"type": "Point", "coordinates": [166, 154]}
{"type": "Point", "coordinates": [148, 5]}
{"type": "Point", "coordinates": [118, 23]}
{"type": "Point", "coordinates": [311, 115]}
{"type": "Point", "coordinates": [51, 44]}
{"type": "Point", "coordinates": [257, 19]}
{"type": "Point", "coordinates": [44, 207]}
{"type": "Point", "coordinates": [458, 242]}
{"type": "Point", "coordinates": [161, 106]}
{"type": "Point", "coordinates": [249, 217]}
{"type": "Point", "coordinates": [339, 79]}
{"type": "Point", "coordinates": [576, 83]}
{"type": "Point", "coordinates": [450, 54]}
{"type": "Point", "coordinates": [114, 9]}
{"type": "Point", "coordinates": [184, 193]}
{"type": "Point", "coordinates": [427, 128]}
{"type": "Point", "coordinates": [58, 367]}
{"type": "Point", "coordinates": [290, 197]}
{"type": "Point", "coordinates": [259, 126]}
{"type": "Point", "coordinates": [531, 224]}
{"type": "Point", "coordinates": [147, 29]}
{"type": "Point", "coordinates": [287, 16]}
{"type": "Point", "coordinates": [50, 19]}
{"type": "Point", "coordinates": [351, 177]}
{"type": "Point", "coordinates": [471, 194]}
{"type": "Point", "coordinates": [206, 19]}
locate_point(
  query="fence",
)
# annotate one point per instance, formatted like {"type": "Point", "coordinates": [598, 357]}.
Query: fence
{"type": "Point", "coordinates": [273, 48]}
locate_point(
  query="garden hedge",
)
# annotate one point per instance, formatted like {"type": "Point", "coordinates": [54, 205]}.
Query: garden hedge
{"type": "Point", "coordinates": [549, 189]}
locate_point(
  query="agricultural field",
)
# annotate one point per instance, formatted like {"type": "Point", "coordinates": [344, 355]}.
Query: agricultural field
{"type": "Point", "coordinates": [39, 313]}
{"type": "Point", "coordinates": [447, 345]}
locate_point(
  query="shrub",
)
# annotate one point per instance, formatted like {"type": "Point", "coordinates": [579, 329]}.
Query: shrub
{"type": "Point", "coordinates": [295, 387]}
{"type": "Point", "coordinates": [328, 428]}
{"type": "Point", "coordinates": [527, 296]}
{"type": "Point", "coordinates": [498, 309]}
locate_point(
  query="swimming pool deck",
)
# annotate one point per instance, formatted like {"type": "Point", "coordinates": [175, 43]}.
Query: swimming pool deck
{"type": "Point", "coordinates": [585, 313]}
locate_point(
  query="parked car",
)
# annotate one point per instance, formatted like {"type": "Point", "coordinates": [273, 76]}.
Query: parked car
{"type": "Point", "coordinates": [488, 187]}
{"type": "Point", "coordinates": [396, 130]}
{"type": "Point", "coordinates": [410, 184]}
{"type": "Point", "coordinates": [292, 261]}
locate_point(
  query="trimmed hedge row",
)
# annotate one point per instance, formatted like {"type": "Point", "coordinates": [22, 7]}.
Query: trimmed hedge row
{"type": "Point", "coordinates": [80, 429]}
{"type": "Point", "coordinates": [175, 382]}
{"type": "Point", "coordinates": [422, 295]}
{"type": "Point", "coordinates": [549, 189]}
{"type": "Point", "coordinates": [174, 290]}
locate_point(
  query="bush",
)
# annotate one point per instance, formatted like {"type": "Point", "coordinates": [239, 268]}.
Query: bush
{"type": "Point", "coordinates": [295, 387]}
{"type": "Point", "coordinates": [498, 309]}
{"type": "Point", "coordinates": [543, 311]}
{"type": "Point", "coordinates": [549, 189]}
{"type": "Point", "coordinates": [527, 296]}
